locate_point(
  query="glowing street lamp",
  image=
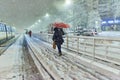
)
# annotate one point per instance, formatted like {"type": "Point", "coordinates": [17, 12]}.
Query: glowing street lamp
{"type": "Point", "coordinates": [68, 3]}
{"type": "Point", "coordinates": [47, 15]}
{"type": "Point", "coordinates": [39, 20]}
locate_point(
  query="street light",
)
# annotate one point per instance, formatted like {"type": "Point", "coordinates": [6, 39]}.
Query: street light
{"type": "Point", "coordinates": [39, 20]}
{"type": "Point", "coordinates": [47, 15]}
{"type": "Point", "coordinates": [68, 3]}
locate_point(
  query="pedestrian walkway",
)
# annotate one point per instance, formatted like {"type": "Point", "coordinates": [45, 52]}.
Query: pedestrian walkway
{"type": "Point", "coordinates": [11, 63]}
{"type": "Point", "coordinates": [72, 62]}
{"type": "Point", "coordinates": [71, 65]}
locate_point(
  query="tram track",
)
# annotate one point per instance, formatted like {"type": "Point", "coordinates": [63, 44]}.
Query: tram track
{"type": "Point", "coordinates": [7, 44]}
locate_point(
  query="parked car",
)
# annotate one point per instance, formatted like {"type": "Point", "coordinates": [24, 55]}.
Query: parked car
{"type": "Point", "coordinates": [86, 32]}
{"type": "Point", "coordinates": [89, 33]}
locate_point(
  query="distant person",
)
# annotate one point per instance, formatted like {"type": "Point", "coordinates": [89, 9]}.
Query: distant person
{"type": "Point", "coordinates": [57, 37]}
{"type": "Point", "coordinates": [30, 33]}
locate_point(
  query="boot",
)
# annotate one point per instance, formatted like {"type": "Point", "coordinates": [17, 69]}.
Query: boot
{"type": "Point", "coordinates": [60, 54]}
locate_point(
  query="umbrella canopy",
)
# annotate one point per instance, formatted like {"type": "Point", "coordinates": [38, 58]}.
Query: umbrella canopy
{"type": "Point", "coordinates": [60, 25]}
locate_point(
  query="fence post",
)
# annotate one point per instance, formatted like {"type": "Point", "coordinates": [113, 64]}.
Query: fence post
{"type": "Point", "coordinates": [78, 44]}
{"type": "Point", "coordinates": [106, 52]}
{"type": "Point", "coordinates": [93, 49]}
{"type": "Point", "coordinates": [67, 42]}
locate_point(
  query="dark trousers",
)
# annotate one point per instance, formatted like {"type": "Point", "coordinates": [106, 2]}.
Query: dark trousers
{"type": "Point", "coordinates": [59, 47]}
{"type": "Point", "coordinates": [30, 35]}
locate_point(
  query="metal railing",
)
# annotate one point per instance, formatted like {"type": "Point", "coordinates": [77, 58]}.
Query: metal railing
{"type": "Point", "coordinates": [104, 48]}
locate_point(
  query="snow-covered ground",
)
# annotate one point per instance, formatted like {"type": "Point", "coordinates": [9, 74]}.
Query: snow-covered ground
{"type": "Point", "coordinates": [108, 48]}
{"type": "Point", "coordinates": [67, 65]}
{"type": "Point", "coordinates": [10, 62]}
{"type": "Point", "coordinates": [63, 66]}
{"type": "Point", "coordinates": [110, 33]}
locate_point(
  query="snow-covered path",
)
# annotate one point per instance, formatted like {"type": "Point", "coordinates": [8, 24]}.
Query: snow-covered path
{"type": "Point", "coordinates": [11, 63]}
{"type": "Point", "coordinates": [69, 66]}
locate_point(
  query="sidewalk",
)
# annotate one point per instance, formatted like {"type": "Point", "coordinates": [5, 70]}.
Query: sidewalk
{"type": "Point", "coordinates": [11, 62]}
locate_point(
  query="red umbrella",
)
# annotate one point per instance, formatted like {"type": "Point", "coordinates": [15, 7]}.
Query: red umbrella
{"type": "Point", "coordinates": [60, 25]}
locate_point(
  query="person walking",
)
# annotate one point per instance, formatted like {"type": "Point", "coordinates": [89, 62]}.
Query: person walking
{"type": "Point", "coordinates": [57, 37]}
{"type": "Point", "coordinates": [30, 33]}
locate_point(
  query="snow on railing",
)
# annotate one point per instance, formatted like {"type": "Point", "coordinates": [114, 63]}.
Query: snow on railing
{"type": "Point", "coordinates": [105, 48]}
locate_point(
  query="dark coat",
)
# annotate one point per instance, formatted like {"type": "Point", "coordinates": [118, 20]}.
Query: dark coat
{"type": "Point", "coordinates": [57, 36]}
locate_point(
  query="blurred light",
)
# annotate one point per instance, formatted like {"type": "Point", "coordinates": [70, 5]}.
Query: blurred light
{"type": "Point", "coordinates": [39, 20]}
{"type": "Point", "coordinates": [110, 21]}
{"type": "Point", "coordinates": [68, 2]}
{"type": "Point", "coordinates": [116, 21]}
{"type": "Point", "coordinates": [47, 15]}
{"type": "Point", "coordinates": [104, 22]}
